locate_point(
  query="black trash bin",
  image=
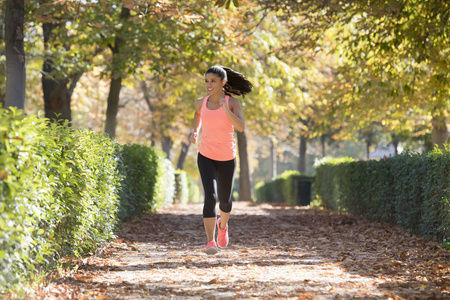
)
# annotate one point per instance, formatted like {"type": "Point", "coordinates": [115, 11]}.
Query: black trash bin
{"type": "Point", "coordinates": [303, 191]}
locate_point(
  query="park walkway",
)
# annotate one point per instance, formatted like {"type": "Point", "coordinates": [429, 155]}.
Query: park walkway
{"type": "Point", "coordinates": [276, 252]}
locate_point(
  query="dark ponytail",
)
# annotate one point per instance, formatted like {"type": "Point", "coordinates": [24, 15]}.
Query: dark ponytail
{"type": "Point", "coordinates": [236, 83]}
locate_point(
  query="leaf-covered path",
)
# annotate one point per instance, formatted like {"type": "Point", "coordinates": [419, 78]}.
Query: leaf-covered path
{"type": "Point", "coordinates": [275, 252]}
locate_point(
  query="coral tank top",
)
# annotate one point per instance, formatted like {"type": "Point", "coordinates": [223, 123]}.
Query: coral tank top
{"type": "Point", "coordinates": [217, 141]}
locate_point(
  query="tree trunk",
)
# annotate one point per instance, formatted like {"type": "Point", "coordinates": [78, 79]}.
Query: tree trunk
{"type": "Point", "coordinates": [167, 145]}
{"type": "Point", "coordinates": [15, 54]}
{"type": "Point", "coordinates": [2, 84]}
{"type": "Point", "coordinates": [113, 104]}
{"type": "Point", "coordinates": [302, 154]}
{"type": "Point", "coordinates": [56, 93]}
{"type": "Point", "coordinates": [273, 158]}
{"type": "Point", "coordinates": [183, 154]}
{"type": "Point", "coordinates": [370, 138]}
{"type": "Point", "coordinates": [245, 187]}
{"type": "Point", "coordinates": [151, 108]}
{"type": "Point", "coordinates": [116, 83]}
{"type": "Point", "coordinates": [368, 149]}
{"type": "Point", "coordinates": [2, 66]}
{"type": "Point", "coordinates": [395, 142]}
{"type": "Point", "coordinates": [440, 131]}
{"type": "Point", "coordinates": [322, 143]}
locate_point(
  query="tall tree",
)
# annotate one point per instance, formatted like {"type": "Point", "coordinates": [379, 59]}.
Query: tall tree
{"type": "Point", "coordinates": [403, 44]}
{"type": "Point", "coordinates": [183, 153]}
{"type": "Point", "coordinates": [301, 167]}
{"type": "Point", "coordinates": [117, 50]}
{"type": "Point", "coordinates": [15, 54]}
{"type": "Point", "coordinates": [162, 35]}
{"type": "Point", "coordinates": [2, 63]}
{"type": "Point", "coordinates": [273, 157]}
{"type": "Point", "coordinates": [56, 92]}
{"type": "Point", "coordinates": [245, 185]}
{"type": "Point", "coordinates": [68, 51]}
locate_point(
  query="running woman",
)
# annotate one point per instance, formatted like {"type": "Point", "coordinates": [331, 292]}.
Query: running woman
{"type": "Point", "coordinates": [218, 114]}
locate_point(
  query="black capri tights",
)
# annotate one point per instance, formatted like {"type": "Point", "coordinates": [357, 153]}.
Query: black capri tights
{"type": "Point", "coordinates": [217, 178]}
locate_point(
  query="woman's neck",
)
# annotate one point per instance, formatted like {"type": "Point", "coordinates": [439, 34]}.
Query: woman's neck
{"type": "Point", "coordinates": [216, 97]}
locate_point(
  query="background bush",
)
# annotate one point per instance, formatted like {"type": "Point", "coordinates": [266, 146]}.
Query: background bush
{"type": "Point", "coordinates": [281, 189]}
{"type": "Point", "coordinates": [86, 186]}
{"type": "Point", "coordinates": [328, 185]}
{"type": "Point", "coordinates": [139, 169]}
{"type": "Point", "coordinates": [411, 190]}
{"type": "Point", "coordinates": [26, 149]}
{"type": "Point", "coordinates": [166, 180]}
{"type": "Point", "coordinates": [64, 191]}
{"type": "Point", "coordinates": [58, 193]}
{"type": "Point", "coordinates": [194, 190]}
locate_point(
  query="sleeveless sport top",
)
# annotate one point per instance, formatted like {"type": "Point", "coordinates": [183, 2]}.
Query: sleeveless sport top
{"type": "Point", "coordinates": [217, 141]}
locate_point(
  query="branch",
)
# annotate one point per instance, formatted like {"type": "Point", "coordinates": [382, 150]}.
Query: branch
{"type": "Point", "coordinates": [146, 97]}
{"type": "Point", "coordinates": [75, 78]}
{"type": "Point", "coordinates": [249, 31]}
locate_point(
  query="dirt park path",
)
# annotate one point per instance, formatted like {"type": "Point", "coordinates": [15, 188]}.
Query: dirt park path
{"type": "Point", "coordinates": [275, 252]}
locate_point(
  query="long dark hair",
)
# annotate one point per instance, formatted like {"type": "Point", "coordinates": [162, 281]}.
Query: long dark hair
{"type": "Point", "coordinates": [236, 83]}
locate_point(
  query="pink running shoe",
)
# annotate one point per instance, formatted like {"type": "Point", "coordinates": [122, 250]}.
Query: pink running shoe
{"type": "Point", "coordinates": [222, 238]}
{"type": "Point", "coordinates": [211, 248]}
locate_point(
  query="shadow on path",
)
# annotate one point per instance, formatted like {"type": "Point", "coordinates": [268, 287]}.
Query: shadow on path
{"type": "Point", "coordinates": [275, 252]}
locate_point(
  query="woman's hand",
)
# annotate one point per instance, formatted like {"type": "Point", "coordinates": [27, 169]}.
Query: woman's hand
{"type": "Point", "coordinates": [194, 137]}
{"type": "Point", "coordinates": [223, 104]}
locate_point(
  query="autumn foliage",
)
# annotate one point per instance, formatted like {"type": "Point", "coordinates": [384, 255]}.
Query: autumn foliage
{"type": "Point", "coordinates": [275, 252]}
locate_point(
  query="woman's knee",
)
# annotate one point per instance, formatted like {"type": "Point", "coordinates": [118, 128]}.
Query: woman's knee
{"type": "Point", "coordinates": [226, 206]}
{"type": "Point", "coordinates": [209, 206]}
{"type": "Point", "coordinates": [209, 211]}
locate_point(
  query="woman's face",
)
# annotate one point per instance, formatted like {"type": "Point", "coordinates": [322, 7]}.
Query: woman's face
{"type": "Point", "coordinates": [213, 83]}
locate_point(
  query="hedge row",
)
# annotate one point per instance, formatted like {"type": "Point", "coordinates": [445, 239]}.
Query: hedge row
{"type": "Point", "coordinates": [64, 191]}
{"type": "Point", "coordinates": [282, 189]}
{"type": "Point", "coordinates": [411, 190]}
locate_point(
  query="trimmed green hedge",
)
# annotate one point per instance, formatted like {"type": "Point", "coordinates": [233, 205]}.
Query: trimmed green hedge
{"type": "Point", "coordinates": [411, 190]}
{"type": "Point", "coordinates": [194, 190]}
{"type": "Point", "coordinates": [64, 191]}
{"type": "Point", "coordinates": [281, 189]}
{"type": "Point", "coordinates": [139, 170]}
{"type": "Point", "coordinates": [327, 184]}
{"type": "Point", "coordinates": [58, 193]}
{"type": "Point", "coordinates": [165, 182]}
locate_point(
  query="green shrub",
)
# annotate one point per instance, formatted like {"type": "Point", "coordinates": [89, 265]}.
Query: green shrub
{"type": "Point", "coordinates": [436, 190]}
{"type": "Point", "coordinates": [58, 193]}
{"type": "Point", "coordinates": [139, 169]}
{"type": "Point", "coordinates": [87, 190]}
{"type": "Point", "coordinates": [25, 156]}
{"type": "Point", "coordinates": [194, 190]}
{"type": "Point", "coordinates": [165, 179]}
{"type": "Point", "coordinates": [411, 190]}
{"type": "Point", "coordinates": [148, 180]}
{"type": "Point", "coordinates": [327, 187]}
{"type": "Point", "coordinates": [60, 189]}
{"type": "Point", "coordinates": [408, 189]}
{"type": "Point", "coordinates": [282, 189]}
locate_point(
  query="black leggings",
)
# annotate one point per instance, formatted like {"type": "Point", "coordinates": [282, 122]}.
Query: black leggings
{"type": "Point", "coordinates": [217, 178]}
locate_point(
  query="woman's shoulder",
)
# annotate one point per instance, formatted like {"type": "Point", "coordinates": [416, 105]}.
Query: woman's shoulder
{"type": "Point", "coordinates": [199, 102]}
{"type": "Point", "coordinates": [233, 100]}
